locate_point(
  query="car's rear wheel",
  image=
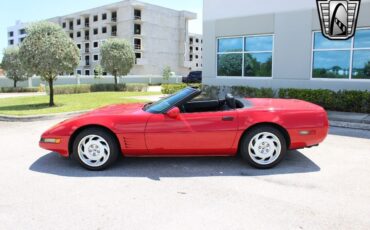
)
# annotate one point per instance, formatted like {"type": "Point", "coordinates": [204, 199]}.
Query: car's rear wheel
{"type": "Point", "coordinates": [263, 147]}
{"type": "Point", "coordinates": [95, 149]}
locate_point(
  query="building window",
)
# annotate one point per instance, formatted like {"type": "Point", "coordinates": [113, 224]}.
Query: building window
{"type": "Point", "coordinates": [87, 72]}
{"type": "Point", "coordinates": [71, 35]}
{"type": "Point", "coordinates": [137, 43]}
{"type": "Point", "coordinates": [95, 18]}
{"type": "Point", "coordinates": [87, 35]}
{"type": "Point", "coordinates": [196, 48]}
{"type": "Point", "coordinates": [87, 47]}
{"type": "Point", "coordinates": [332, 59]}
{"type": "Point", "coordinates": [78, 72]}
{"type": "Point", "coordinates": [249, 56]}
{"type": "Point", "coordinates": [114, 31]}
{"type": "Point", "coordinates": [96, 57]}
{"type": "Point", "coordinates": [137, 14]}
{"type": "Point", "coordinates": [137, 29]}
{"type": "Point", "coordinates": [96, 44]}
{"type": "Point", "coordinates": [22, 31]}
{"type": "Point", "coordinates": [104, 30]}
{"type": "Point", "coordinates": [87, 22]}
{"type": "Point", "coordinates": [78, 22]}
{"type": "Point", "coordinates": [11, 42]}
{"type": "Point", "coordinates": [138, 55]}
{"type": "Point", "coordinates": [96, 31]}
{"type": "Point", "coordinates": [71, 25]}
{"type": "Point", "coordinates": [104, 16]}
{"type": "Point", "coordinates": [64, 25]}
{"type": "Point", "coordinates": [114, 16]}
{"type": "Point", "coordinates": [78, 34]}
{"type": "Point", "coordinates": [11, 34]}
{"type": "Point", "coordinates": [197, 40]}
{"type": "Point", "coordinates": [79, 46]}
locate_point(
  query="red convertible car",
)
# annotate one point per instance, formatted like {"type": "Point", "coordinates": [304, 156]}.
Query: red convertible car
{"type": "Point", "coordinates": [183, 124]}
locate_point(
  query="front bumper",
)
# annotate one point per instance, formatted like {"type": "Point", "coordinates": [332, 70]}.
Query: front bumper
{"type": "Point", "coordinates": [60, 146]}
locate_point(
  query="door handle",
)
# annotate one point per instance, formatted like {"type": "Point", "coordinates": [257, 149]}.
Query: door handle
{"type": "Point", "coordinates": [228, 118]}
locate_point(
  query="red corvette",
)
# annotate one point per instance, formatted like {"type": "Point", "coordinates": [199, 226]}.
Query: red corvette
{"type": "Point", "coordinates": [261, 130]}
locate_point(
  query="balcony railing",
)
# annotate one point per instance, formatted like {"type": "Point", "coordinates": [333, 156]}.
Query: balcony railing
{"type": "Point", "coordinates": [114, 19]}
{"type": "Point", "coordinates": [87, 50]}
{"type": "Point", "coordinates": [114, 33]}
{"type": "Point", "coordinates": [87, 38]}
{"type": "Point", "coordinates": [137, 17]}
{"type": "Point", "coordinates": [87, 63]}
{"type": "Point", "coordinates": [87, 25]}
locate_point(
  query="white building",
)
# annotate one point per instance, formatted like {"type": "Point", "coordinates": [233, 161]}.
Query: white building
{"type": "Point", "coordinates": [158, 35]}
{"type": "Point", "coordinates": [279, 44]}
{"type": "Point", "coordinates": [16, 33]}
{"type": "Point", "coordinates": [195, 52]}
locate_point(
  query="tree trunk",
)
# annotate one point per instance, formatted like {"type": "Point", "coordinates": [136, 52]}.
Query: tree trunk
{"type": "Point", "coordinates": [15, 83]}
{"type": "Point", "coordinates": [51, 87]}
{"type": "Point", "coordinates": [115, 83]}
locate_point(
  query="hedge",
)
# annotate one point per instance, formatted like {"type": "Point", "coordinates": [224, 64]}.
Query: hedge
{"type": "Point", "coordinates": [344, 100]}
{"type": "Point", "coordinates": [18, 90]}
{"type": "Point", "coordinates": [77, 89]}
{"type": "Point", "coordinates": [173, 88]}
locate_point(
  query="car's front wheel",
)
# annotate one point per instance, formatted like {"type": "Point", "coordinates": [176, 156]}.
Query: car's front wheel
{"type": "Point", "coordinates": [263, 147]}
{"type": "Point", "coordinates": [95, 149]}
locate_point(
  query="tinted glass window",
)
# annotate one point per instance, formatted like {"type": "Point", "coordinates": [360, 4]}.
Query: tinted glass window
{"type": "Point", "coordinates": [258, 64]}
{"type": "Point", "coordinates": [258, 43]}
{"type": "Point", "coordinates": [331, 64]}
{"type": "Point", "coordinates": [323, 43]}
{"type": "Point", "coordinates": [230, 44]}
{"type": "Point", "coordinates": [361, 64]}
{"type": "Point", "coordinates": [362, 39]}
{"type": "Point", "coordinates": [229, 65]}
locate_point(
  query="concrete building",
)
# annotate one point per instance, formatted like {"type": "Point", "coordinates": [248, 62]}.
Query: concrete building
{"type": "Point", "coordinates": [279, 44]}
{"type": "Point", "coordinates": [158, 35]}
{"type": "Point", "coordinates": [16, 33]}
{"type": "Point", "coordinates": [195, 52]}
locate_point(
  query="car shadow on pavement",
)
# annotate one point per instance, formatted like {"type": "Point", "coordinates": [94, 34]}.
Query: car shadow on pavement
{"type": "Point", "coordinates": [156, 168]}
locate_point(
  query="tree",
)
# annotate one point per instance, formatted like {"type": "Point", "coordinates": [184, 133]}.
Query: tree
{"type": "Point", "coordinates": [118, 57]}
{"type": "Point", "coordinates": [98, 72]}
{"type": "Point", "coordinates": [48, 51]}
{"type": "Point", "coordinates": [166, 74]}
{"type": "Point", "coordinates": [13, 67]}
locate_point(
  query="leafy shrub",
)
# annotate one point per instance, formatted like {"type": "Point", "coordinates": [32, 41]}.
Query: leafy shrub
{"type": "Point", "coordinates": [253, 92]}
{"type": "Point", "coordinates": [70, 89]}
{"type": "Point", "coordinates": [173, 88]}
{"type": "Point", "coordinates": [347, 100]}
{"type": "Point", "coordinates": [18, 90]}
{"type": "Point", "coordinates": [119, 87]}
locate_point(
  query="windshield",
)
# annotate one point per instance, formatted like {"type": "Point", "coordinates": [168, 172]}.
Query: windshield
{"type": "Point", "coordinates": [168, 102]}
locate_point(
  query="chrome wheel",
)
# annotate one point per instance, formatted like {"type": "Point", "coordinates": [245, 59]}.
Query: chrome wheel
{"type": "Point", "coordinates": [93, 150]}
{"type": "Point", "coordinates": [264, 148]}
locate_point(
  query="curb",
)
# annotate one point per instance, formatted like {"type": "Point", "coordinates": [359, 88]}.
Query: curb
{"type": "Point", "coordinates": [350, 125]}
{"type": "Point", "coordinates": [40, 117]}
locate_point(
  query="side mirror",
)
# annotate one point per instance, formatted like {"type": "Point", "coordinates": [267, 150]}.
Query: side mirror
{"type": "Point", "coordinates": [174, 112]}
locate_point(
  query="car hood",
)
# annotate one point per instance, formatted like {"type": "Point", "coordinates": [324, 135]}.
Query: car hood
{"type": "Point", "coordinates": [283, 104]}
{"type": "Point", "coordinates": [119, 109]}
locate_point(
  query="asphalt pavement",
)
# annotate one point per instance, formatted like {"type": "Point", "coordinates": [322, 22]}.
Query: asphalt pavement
{"type": "Point", "coordinates": [327, 187]}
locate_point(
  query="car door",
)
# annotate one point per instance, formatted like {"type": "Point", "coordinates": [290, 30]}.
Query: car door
{"type": "Point", "coordinates": [192, 133]}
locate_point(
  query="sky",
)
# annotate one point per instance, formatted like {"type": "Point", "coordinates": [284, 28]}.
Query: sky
{"type": "Point", "coordinates": [34, 10]}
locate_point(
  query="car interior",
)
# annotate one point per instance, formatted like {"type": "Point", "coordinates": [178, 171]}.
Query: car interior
{"type": "Point", "coordinates": [201, 105]}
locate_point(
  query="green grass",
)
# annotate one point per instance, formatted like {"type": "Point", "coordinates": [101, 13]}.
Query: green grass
{"type": "Point", "coordinates": [38, 105]}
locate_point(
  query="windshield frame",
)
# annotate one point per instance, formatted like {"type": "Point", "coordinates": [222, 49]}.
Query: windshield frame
{"type": "Point", "coordinates": [192, 94]}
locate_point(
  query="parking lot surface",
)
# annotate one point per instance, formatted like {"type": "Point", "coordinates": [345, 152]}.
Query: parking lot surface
{"type": "Point", "coordinates": [327, 187]}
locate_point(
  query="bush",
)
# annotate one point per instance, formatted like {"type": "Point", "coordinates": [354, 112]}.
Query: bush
{"type": "Point", "coordinates": [70, 89]}
{"type": "Point", "coordinates": [19, 90]}
{"type": "Point", "coordinates": [173, 88]}
{"type": "Point", "coordinates": [347, 100]}
{"type": "Point", "coordinates": [119, 87]}
{"type": "Point", "coordinates": [253, 92]}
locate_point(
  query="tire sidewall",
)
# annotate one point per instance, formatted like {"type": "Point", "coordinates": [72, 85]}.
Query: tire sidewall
{"type": "Point", "coordinates": [109, 138]}
{"type": "Point", "coordinates": [244, 150]}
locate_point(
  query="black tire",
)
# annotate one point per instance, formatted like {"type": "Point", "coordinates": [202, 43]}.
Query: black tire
{"type": "Point", "coordinates": [249, 137]}
{"type": "Point", "coordinates": [110, 140]}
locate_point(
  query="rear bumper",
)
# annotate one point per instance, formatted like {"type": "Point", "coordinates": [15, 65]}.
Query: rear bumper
{"type": "Point", "coordinates": [302, 139]}
{"type": "Point", "coordinates": [60, 148]}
